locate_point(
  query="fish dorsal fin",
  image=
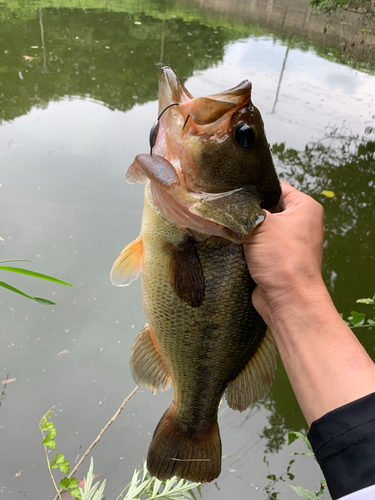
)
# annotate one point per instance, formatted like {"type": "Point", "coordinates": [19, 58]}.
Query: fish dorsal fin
{"type": "Point", "coordinates": [237, 211]}
{"type": "Point", "coordinates": [204, 110]}
{"type": "Point", "coordinates": [254, 381]}
{"type": "Point", "coordinates": [128, 264]}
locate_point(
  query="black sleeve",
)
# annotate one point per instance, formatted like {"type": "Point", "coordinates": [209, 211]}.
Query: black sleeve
{"type": "Point", "coordinates": [343, 441]}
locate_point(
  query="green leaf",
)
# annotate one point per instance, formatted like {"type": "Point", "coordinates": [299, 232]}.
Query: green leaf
{"type": "Point", "coordinates": [50, 443]}
{"type": "Point", "coordinates": [52, 433]}
{"type": "Point", "coordinates": [366, 301]}
{"type": "Point", "coordinates": [64, 467]}
{"type": "Point", "coordinates": [73, 483]}
{"type": "Point", "coordinates": [16, 260]}
{"type": "Point", "coordinates": [46, 425]}
{"type": "Point", "coordinates": [371, 322]}
{"type": "Point", "coordinates": [64, 483]}
{"type": "Point", "coordinates": [304, 492]}
{"type": "Point", "coordinates": [59, 458]}
{"type": "Point", "coordinates": [37, 299]}
{"type": "Point", "coordinates": [192, 494]}
{"type": "Point", "coordinates": [75, 493]}
{"type": "Point", "coordinates": [293, 436]}
{"type": "Point", "coordinates": [357, 319]}
{"type": "Point", "coordinates": [20, 270]}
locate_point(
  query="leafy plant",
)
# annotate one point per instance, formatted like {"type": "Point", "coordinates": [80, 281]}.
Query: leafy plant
{"type": "Point", "coordinates": [359, 320]}
{"type": "Point", "coordinates": [273, 479]}
{"type": "Point", "coordinates": [26, 272]}
{"type": "Point", "coordinates": [90, 491]}
{"type": "Point", "coordinates": [337, 6]}
{"type": "Point", "coordinates": [49, 433]}
{"type": "Point", "coordinates": [153, 489]}
{"type": "Point", "coordinates": [299, 489]}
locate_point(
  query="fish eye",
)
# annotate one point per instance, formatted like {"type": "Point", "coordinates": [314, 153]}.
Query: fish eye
{"type": "Point", "coordinates": [244, 135]}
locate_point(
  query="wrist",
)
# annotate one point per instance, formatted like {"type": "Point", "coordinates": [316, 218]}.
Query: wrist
{"type": "Point", "coordinates": [300, 301]}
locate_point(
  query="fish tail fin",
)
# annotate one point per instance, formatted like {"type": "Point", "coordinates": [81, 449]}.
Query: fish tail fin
{"type": "Point", "coordinates": [174, 452]}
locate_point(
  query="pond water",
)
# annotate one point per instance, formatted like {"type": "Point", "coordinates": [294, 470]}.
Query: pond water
{"type": "Point", "coordinates": [78, 95]}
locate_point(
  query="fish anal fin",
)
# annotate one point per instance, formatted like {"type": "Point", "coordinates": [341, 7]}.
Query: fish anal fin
{"type": "Point", "coordinates": [254, 381]}
{"type": "Point", "coordinates": [175, 452]}
{"type": "Point", "coordinates": [128, 264]}
{"type": "Point", "coordinates": [156, 168]}
{"type": "Point", "coordinates": [185, 271]}
{"type": "Point", "coordinates": [147, 364]}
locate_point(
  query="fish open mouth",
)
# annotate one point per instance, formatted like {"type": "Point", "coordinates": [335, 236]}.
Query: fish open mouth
{"type": "Point", "coordinates": [180, 106]}
{"type": "Point", "coordinates": [194, 190]}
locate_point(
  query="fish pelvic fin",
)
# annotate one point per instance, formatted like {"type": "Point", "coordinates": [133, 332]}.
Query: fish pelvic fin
{"type": "Point", "coordinates": [147, 364]}
{"type": "Point", "coordinates": [174, 452]}
{"type": "Point", "coordinates": [128, 264]}
{"type": "Point", "coordinates": [255, 380]}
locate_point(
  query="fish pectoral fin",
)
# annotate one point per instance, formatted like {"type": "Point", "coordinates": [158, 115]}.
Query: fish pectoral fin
{"type": "Point", "coordinates": [254, 381]}
{"type": "Point", "coordinates": [146, 362]}
{"type": "Point", "coordinates": [237, 211]}
{"type": "Point", "coordinates": [204, 110]}
{"type": "Point", "coordinates": [185, 271]}
{"type": "Point", "coordinates": [156, 168]}
{"type": "Point", "coordinates": [175, 452]}
{"type": "Point", "coordinates": [128, 264]}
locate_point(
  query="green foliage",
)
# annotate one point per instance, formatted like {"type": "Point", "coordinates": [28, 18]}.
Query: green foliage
{"type": "Point", "coordinates": [33, 274]}
{"type": "Point", "coordinates": [273, 479]}
{"type": "Point", "coordinates": [90, 491]}
{"type": "Point", "coordinates": [69, 484]}
{"type": "Point", "coordinates": [310, 495]}
{"type": "Point", "coordinates": [363, 8]}
{"type": "Point", "coordinates": [293, 435]}
{"type": "Point", "coordinates": [301, 490]}
{"type": "Point", "coordinates": [359, 320]}
{"type": "Point", "coordinates": [337, 6]}
{"type": "Point", "coordinates": [143, 485]}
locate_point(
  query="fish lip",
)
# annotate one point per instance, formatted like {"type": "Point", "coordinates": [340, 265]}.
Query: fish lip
{"type": "Point", "coordinates": [171, 89]}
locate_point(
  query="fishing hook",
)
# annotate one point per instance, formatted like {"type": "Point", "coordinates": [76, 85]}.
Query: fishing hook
{"type": "Point", "coordinates": [155, 128]}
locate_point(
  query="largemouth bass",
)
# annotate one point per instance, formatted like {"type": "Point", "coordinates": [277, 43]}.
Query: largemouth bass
{"type": "Point", "coordinates": [208, 178]}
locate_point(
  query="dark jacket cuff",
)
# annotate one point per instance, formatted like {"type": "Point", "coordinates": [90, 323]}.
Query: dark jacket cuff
{"type": "Point", "coordinates": [343, 441]}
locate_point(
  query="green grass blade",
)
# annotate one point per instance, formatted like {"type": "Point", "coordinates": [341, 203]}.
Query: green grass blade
{"type": "Point", "coordinates": [37, 299]}
{"type": "Point", "coordinates": [16, 260]}
{"type": "Point", "coordinates": [34, 274]}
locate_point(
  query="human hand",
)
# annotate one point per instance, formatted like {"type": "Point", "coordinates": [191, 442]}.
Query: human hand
{"type": "Point", "coordinates": [284, 254]}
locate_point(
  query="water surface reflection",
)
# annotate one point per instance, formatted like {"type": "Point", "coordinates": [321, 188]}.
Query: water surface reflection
{"type": "Point", "coordinates": [74, 114]}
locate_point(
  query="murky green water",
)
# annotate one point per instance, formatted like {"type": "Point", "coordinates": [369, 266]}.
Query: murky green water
{"type": "Point", "coordinates": [78, 91]}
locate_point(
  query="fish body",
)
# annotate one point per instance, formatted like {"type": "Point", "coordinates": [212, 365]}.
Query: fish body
{"type": "Point", "coordinates": [208, 177]}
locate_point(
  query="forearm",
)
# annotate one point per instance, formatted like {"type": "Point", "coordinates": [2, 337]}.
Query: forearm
{"type": "Point", "coordinates": [325, 363]}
